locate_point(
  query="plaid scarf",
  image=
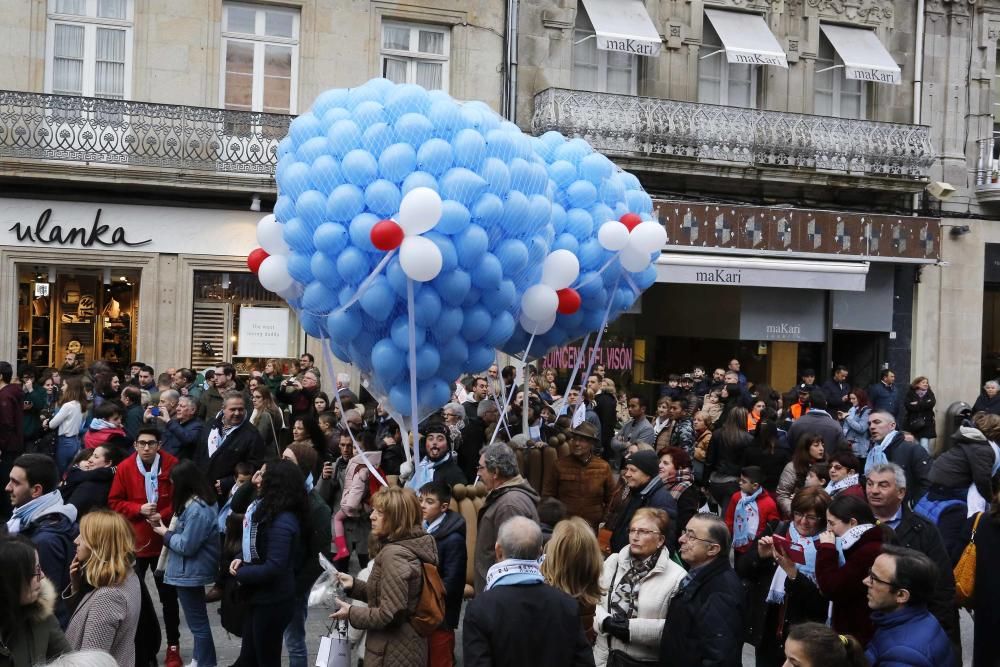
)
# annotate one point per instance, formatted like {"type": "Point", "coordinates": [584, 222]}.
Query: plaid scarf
{"type": "Point", "coordinates": [624, 598]}
{"type": "Point", "coordinates": [679, 482]}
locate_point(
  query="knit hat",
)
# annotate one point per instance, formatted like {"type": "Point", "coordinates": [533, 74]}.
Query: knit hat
{"type": "Point", "coordinates": [645, 461]}
{"type": "Point", "coordinates": [436, 426]}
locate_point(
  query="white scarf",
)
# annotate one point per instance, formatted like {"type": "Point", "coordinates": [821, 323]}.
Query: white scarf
{"type": "Point", "coordinates": [151, 478]}
{"type": "Point", "coordinates": [217, 436]}
{"type": "Point", "coordinates": [833, 487]}
{"type": "Point", "coordinates": [513, 571]}
{"type": "Point", "coordinates": [659, 425]}
{"type": "Point", "coordinates": [776, 592]}
{"type": "Point", "coordinates": [850, 538]}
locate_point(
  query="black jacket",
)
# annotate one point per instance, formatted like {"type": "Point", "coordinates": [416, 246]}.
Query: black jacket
{"type": "Point", "coordinates": [986, 404]}
{"type": "Point", "coordinates": [473, 440]}
{"type": "Point", "coordinates": [916, 532]}
{"type": "Point", "coordinates": [821, 423]}
{"type": "Point", "coordinates": [87, 489]}
{"type": "Point", "coordinates": [835, 392]}
{"type": "Point", "coordinates": [243, 444]}
{"type": "Point", "coordinates": [704, 625]}
{"type": "Point", "coordinates": [657, 497]}
{"type": "Point", "coordinates": [985, 647]}
{"type": "Point", "coordinates": [606, 407]}
{"type": "Point", "coordinates": [450, 473]}
{"type": "Point", "coordinates": [452, 561]}
{"type": "Point", "coordinates": [526, 624]}
{"type": "Point", "coordinates": [915, 462]}
{"type": "Point", "coordinates": [920, 414]}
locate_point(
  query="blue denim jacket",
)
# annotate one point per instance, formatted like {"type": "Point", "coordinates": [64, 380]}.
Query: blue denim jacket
{"type": "Point", "coordinates": [193, 558]}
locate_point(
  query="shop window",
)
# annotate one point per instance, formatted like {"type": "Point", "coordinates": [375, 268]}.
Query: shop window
{"type": "Point", "coordinates": [260, 50]}
{"type": "Point", "coordinates": [836, 95]}
{"type": "Point", "coordinates": [219, 299]}
{"type": "Point", "coordinates": [722, 82]}
{"type": "Point", "coordinates": [598, 70]}
{"type": "Point", "coordinates": [88, 48]}
{"type": "Point", "coordinates": [416, 53]}
{"type": "Point", "coordinates": [90, 313]}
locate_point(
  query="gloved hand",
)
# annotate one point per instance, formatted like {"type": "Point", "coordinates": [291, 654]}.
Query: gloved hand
{"type": "Point", "coordinates": [616, 627]}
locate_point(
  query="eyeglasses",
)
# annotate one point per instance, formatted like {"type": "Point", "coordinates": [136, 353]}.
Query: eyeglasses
{"type": "Point", "coordinates": [871, 575]}
{"type": "Point", "coordinates": [804, 516]}
{"type": "Point", "coordinates": [38, 572]}
{"type": "Point", "coordinates": [146, 444]}
{"type": "Point", "coordinates": [689, 534]}
{"type": "Point", "coordinates": [642, 532]}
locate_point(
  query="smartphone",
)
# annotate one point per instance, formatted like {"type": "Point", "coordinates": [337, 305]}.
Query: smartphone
{"type": "Point", "coordinates": [794, 551]}
{"type": "Point", "coordinates": [155, 412]}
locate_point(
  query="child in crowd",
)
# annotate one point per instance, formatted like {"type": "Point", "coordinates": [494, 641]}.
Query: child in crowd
{"type": "Point", "coordinates": [749, 511]}
{"type": "Point", "coordinates": [106, 424]}
{"type": "Point", "coordinates": [448, 529]}
{"type": "Point", "coordinates": [88, 482]}
{"type": "Point", "coordinates": [818, 475]}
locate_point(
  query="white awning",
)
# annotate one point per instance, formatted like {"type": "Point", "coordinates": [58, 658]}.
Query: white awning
{"type": "Point", "coordinates": [762, 272]}
{"type": "Point", "coordinates": [625, 26]}
{"type": "Point", "coordinates": [746, 38]}
{"type": "Point", "coordinates": [864, 56]}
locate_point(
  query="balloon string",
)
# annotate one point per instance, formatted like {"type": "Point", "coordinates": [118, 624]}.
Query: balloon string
{"type": "Point", "coordinates": [367, 282]}
{"type": "Point", "coordinates": [631, 284]}
{"type": "Point", "coordinates": [503, 413]}
{"type": "Point", "coordinates": [572, 377]}
{"type": "Point", "coordinates": [414, 423]}
{"type": "Point", "coordinates": [600, 334]}
{"type": "Point", "coordinates": [597, 274]}
{"type": "Point", "coordinates": [328, 367]}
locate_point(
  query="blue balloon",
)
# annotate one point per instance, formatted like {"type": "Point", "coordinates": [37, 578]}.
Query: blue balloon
{"type": "Point", "coordinates": [378, 300]}
{"type": "Point", "coordinates": [318, 299]}
{"type": "Point", "coordinates": [382, 197]}
{"type": "Point", "coordinates": [469, 147]}
{"type": "Point", "coordinates": [344, 325]}
{"type": "Point", "coordinates": [325, 174]}
{"type": "Point", "coordinates": [314, 325]}
{"type": "Point", "coordinates": [428, 360]}
{"type": "Point", "coordinates": [480, 357]}
{"type": "Point", "coordinates": [345, 202]}
{"type": "Point", "coordinates": [378, 137]}
{"type": "Point", "coordinates": [434, 393]}
{"type": "Point", "coordinates": [359, 167]}
{"type": "Point", "coordinates": [324, 270]}
{"type": "Point", "coordinates": [595, 168]}
{"type": "Point", "coordinates": [539, 212]}
{"type": "Point", "coordinates": [305, 127]}
{"type": "Point", "coordinates": [638, 201]}
{"type": "Point", "coordinates": [471, 243]}
{"type": "Point", "coordinates": [313, 149]}
{"type": "Point", "coordinates": [500, 144]}
{"type": "Point", "coordinates": [515, 212]}
{"type": "Point", "coordinates": [581, 194]}
{"type": "Point", "coordinates": [503, 327]}
{"type": "Point", "coordinates": [563, 173]}
{"type": "Point", "coordinates": [406, 98]}
{"type": "Point", "coordinates": [448, 325]}
{"type": "Point", "coordinates": [566, 242]}
{"type": "Point", "coordinates": [284, 208]}
{"type": "Point", "coordinates": [601, 214]}
{"type": "Point", "coordinates": [295, 180]}
{"type": "Point", "coordinates": [427, 308]}
{"type": "Point", "coordinates": [397, 162]}
{"type": "Point", "coordinates": [329, 99]}
{"type": "Point", "coordinates": [435, 156]}
{"type": "Point", "coordinates": [310, 207]}
{"type": "Point", "coordinates": [454, 351]}
{"type": "Point", "coordinates": [388, 361]}
{"type": "Point", "coordinates": [489, 273]}
{"type": "Point", "coordinates": [476, 323]}
{"type": "Point", "coordinates": [414, 129]}
{"type": "Point", "coordinates": [488, 210]}
{"type": "Point", "coordinates": [500, 299]}
{"type": "Point", "coordinates": [298, 236]}
{"type": "Point", "coordinates": [462, 185]}
{"type": "Point", "coordinates": [497, 176]}
{"type": "Point", "coordinates": [449, 256]}
{"type": "Point", "coordinates": [360, 348]}
{"type": "Point", "coordinates": [333, 115]}
{"type": "Point", "coordinates": [444, 116]}
{"type": "Point", "coordinates": [645, 279]}
{"type": "Point", "coordinates": [343, 136]}
{"type": "Point", "coordinates": [330, 238]}
{"type": "Point", "coordinates": [356, 96]}
{"type": "Point", "coordinates": [396, 276]}
{"type": "Point", "coordinates": [360, 231]}
{"type": "Point", "coordinates": [579, 223]}
{"type": "Point", "coordinates": [285, 147]}
{"type": "Point", "coordinates": [368, 113]}
{"type": "Point", "coordinates": [300, 267]}
{"type": "Point", "coordinates": [453, 286]}
{"type": "Point", "coordinates": [400, 333]}
{"type": "Point", "coordinates": [591, 254]}
{"type": "Point", "coordinates": [612, 191]}
{"type": "Point", "coordinates": [538, 248]}
{"type": "Point", "coordinates": [399, 396]}
{"type": "Point", "coordinates": [558, 219]}
{"type": "Point", "coordinates": [353, 265]}
{"type": "Point", "coordinates": [454, 217]}
{"type": "Point", "coordinates": [419, 179]}
{"type": "Point", "coordinates": [513, 254]}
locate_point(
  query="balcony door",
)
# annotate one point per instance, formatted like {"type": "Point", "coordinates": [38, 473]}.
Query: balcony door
{"type": "Point", "coordinates": [722, 82]}
{"type": "Point", "coordinates": [597, 70]}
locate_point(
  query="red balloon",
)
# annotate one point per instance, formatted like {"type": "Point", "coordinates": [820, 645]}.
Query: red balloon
{"type": "Point", "coordinates": [386, 235]}
{"type": "Point", "coordinates": [630, 220]}
{"type": "Point", "coordinates": [569, 301]}
{"type": "Point", "coordinates": [255, 258]}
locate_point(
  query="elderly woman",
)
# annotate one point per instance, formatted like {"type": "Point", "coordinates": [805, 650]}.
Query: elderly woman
{"type": "Point", "coordinates": [454, 419]}
{"type": "Point", "coordinates": [989, 400]}
{"type": "Point", "coordinates": [640, 580]}
{"type": "Point", "coordinates": [394, 586]}
{"type": "Point", "coordinates": [678, 479]}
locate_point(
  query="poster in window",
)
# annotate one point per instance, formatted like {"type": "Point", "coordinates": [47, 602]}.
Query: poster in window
{"type": "Point", "coordinates": [263, 332]}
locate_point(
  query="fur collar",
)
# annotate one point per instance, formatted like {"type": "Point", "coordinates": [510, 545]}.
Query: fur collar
{"type": "Point", "coordinates": [43, 607]}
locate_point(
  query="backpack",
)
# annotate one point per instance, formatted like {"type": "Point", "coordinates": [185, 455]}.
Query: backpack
{"type": "Point", "coordinates": [429, 612]}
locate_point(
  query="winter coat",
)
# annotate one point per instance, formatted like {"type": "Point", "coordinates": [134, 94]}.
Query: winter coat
{"type": "Point", "coordinates": [269, 427]}
{"type": "Point", "coordinates": [726, 456]}
{"type": "Point", "coordinates": [856, 431]}
{"type": "Point", "coordinates": [193, 547]}
{"type": "Point", "coordinates": [128, 495]}
{"type": "Point", "coordinates": [449, 473]}
{"type": "Point", "coordinates": [634, 430]}
{"type": "Point", "coordinates": [95, 438]}
{"type": "Point", "coordinates": [771, 463]}
{"type": "Point", "coordinates": [701, 445]}
{"type": "Point", "coordinates": [243, 444]}
{"type": "Point", "coordinates": [909, 636]}
{"type": "Point", "coordinates": [968, 461]}
{"type": "Point", "coordinates": [316, 539]}
{"type": "Point", "coordinates": [822, 424]}
{"type": "Point", "coordinates": [655, 495]}
{"type": "Point", "coordinates": [352, 502]}
{"type": "Point", "coordinates": [606, 407]}
{"type": "Point", "coordinates": [132, 420]}
{"type": "Point", "coordinates": [515, 497]}
{"type": "Point", "coordinates": [682, 435]}
{"type": "Point", "coordinates": [835, 392]}
{"type": "Point", "coordinates": [270, 577]}
{"type": "Point", "coordinates": [915, 462]}
{"type": "Point", "coordinates": [452, 561]}
{"type": "Point", "coordinates": [788, 484]}
{"type": "Point", "coordinates": [210, 404]}
{"type": "Point", "coordinates": [331, 490]}
{"type": "Point", "coordinates": [585, 488]}
{"type": "Point", "coordinates": [106, 619]}
{"type": "Point", "coordinates": [38, 639]}
{"type": "Point", "coordinates": [918, 408]}
{"type": "Point", "coordinates": [53, 535]}
{"type": "Point", "coordinates": [87, 489]}
{"type": "Point", "coordinates": [986, 404]}
{"type": "Point", "coordinates": [767, 510]}
{"type": "Point", "coordinates": [522, 625]}
{"type": "Point", "coordinates": [391, 593]}
{"type": "Point", "coordinates": [656, 590]}
{"type": "Point", "coordinates": [704, 624]}
{"type": "Point", "coordinates": [180, 439]}
{"type": "Point", "coordinates": [885, 398]}
{"type": "Point", "coordinates": [844, 585]}
{"type": "Point", "coordinates": [986, 611]}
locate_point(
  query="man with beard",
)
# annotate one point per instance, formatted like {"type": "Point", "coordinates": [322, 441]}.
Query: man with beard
{"type": "Point", "coordinates": [440, 464]}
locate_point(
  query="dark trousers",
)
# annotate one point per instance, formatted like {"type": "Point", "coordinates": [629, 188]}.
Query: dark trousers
{"type": "Point", "coordinates": [168, 600]}
{"type": "Point", "coordinates": [263, 629]}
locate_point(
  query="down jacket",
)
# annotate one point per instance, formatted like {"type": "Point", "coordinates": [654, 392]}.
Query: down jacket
{"type": "Point", "coordinates": [969, 460]}
{"type": "Point", "coordinates": [356, 483]}
{"type": "Point", "coordinates": [655, 592]}
{"type": "Point", "coordinates": [39, 639]}
{"type": "Point", "coordinates": [908, 636]}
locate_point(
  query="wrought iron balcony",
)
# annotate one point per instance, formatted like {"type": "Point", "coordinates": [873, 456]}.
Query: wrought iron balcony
{"type": "Point", "coordinates": [988, 169]}
{"type": "Point", "coordinates": [72, 129]}
{"type": "Point", "coordinates": [627, 125]}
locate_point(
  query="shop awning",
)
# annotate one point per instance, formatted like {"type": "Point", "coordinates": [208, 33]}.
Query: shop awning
{"type": "Point", "coordinates": [623, 25]}
{"type": "Point", "coordinates": [761, 272]}
{"type": "Point", "coordinates": [746, 38]}
{"type": "Point", "coordinates": [864, 56]}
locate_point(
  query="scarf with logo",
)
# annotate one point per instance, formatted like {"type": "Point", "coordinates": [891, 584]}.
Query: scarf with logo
{"type": "Point", "coordinates": [834, 487]}
{"type": "Point", "coordinates": [511, 572]}
{"type": "Point", "coordinates": [746, 519]}
{"type": "Point", "coordinates": [776, 592]}
{"type": "Point", "coordinates": [151, 478]}
{"type": "Point", "coordinates": [250, 534]}
{"type": "Point", "coordinates": [849, 539]}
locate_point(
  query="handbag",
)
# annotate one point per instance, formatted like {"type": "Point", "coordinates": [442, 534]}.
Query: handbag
{"type": "Point", "coordinates": [916, 423]}
{"type": "Point", "coordinates": [604, 539]}
{"type": "Point", "coordinates": [619, 658]}
{"type": "Point", "coordinates": [965, 570]}
{"type": "Point", "coordinates": [334, 647]}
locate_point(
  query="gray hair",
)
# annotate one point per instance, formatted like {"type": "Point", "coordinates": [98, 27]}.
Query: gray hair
{"type": "Point", "coordinates": [84, 659]}
{"type": "Point", "coordinates": [991, 382]}
{"type": "Point", "coordinates": [188, 399]}
{"type": "Point", "coordinates": [500, 460]}
{"type": "Point", "coordinates": [454, 408]}
{"type": "Point", "coordinates": [718, 532]}
{"type": "Point", "coordinates": [520, 538]}
{"type": "Point", "coordinates": [171, 395]}
{"type": "Point", "coordinates": [484, 405]}
{"type": "Point", "coordinates": [893, 468]}
{"type": "Point", "coordinates": [343, 378]}
{"type": "Point", "coordinates": [885, 413]}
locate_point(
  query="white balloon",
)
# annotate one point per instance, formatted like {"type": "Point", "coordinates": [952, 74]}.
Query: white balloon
{"type": "Point", "coordinates": [560, 269]}
{"type": "Point", "coordinates": [293, 292]}
{"type": "Point", "coordinates": [419, 211]}
{"type": "Point", "coordinates": [535, 327]}
{"type": "Point", "coordinates": [420, 259]}
{"type": "Point", "coordinates": [273, 274]}
{"type": "Point", "coordinates": [269, 236]}
{"type": "Point", "coordinates": [633, 259]}
{"type": "Point", "coordinates": [539, 302]}
{"type": "Point", "coordinates": [648, 236]}
{"type": "Point", "coordinates": [613, 235]}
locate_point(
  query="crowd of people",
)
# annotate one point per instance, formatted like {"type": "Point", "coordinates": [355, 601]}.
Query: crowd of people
{"type": "Point", "coordinates": [822, 526]}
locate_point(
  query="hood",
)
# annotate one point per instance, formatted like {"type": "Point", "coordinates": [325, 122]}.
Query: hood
{"type": "Point", "coordinates": [453, 523]}
{"type": "Point", "coordinates": [903, 616]}
{"type": "Point", "coordinates": [43, 607]}
{"type": "Point", "coordinates": [422, 544]}
{"type": "Point", "coordinates": [514, 483]}
{"type": "Point", "coordinates": [67, 513]}
{"type": "Point", "coordinates": [969, 435]}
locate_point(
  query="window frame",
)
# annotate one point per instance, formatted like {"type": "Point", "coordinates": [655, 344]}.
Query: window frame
{"type": "Point", "coordinates": [837, 67]}
{"type": "Point", "coordinates": [580, 34]}
{"type": "Point", "coordinates": [412, 56]}
{"type": "Point", "coordinates": [725, 70]}
{"type": "Point", "coordinates": [90, 23]}
{"type": "Point", "coordinates": [260, 41]}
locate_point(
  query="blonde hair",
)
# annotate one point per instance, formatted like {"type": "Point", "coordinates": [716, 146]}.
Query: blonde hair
{"type": "Point", "coordinates": [112, 547]}
{"type": "Point", "coordinates": [401, 515]}
{"type": "Point", "coordinates": [705, 418]}
{"type": "Point", "coordinates": [573, 561]}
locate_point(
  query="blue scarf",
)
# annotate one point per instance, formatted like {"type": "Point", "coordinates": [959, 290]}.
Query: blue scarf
{"type": "Point", "coordinates": [310, 483]}
{"type": "Point", "coordinates": [250, 534]}
{"type": "Point", "coordinates": [26, 513]}
{"type": "Point", "coordinates": [424, 473]}
{"type": "Point", "coordinates": [152, 478]}
{"type": "Point", "coordinates": [511, 572]}
{"type": "Point", "coordinates": [430, 528]}
{"type": "Point", "coordinates": [747, 518]}
{"type": "Point", "coordinates": [876, 455]}
{"type": "Point", "coordinates": [776, 592]}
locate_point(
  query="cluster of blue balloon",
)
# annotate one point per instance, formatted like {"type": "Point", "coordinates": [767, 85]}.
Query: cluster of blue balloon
{"type": "Point", "coordinates": [508, 200]}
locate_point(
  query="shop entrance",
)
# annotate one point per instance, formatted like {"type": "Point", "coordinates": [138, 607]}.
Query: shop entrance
{"type": "Point", "coordinates": [90, 313]}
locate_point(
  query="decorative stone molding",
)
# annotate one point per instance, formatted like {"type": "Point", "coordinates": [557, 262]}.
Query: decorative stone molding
{"type": "Point", "coordinates": [558, 19]}
{"type": "Point", "coordinates": [792, 49]}
{"type": "Point", "coordinates": [866, 12]}
{"type": "Point", "coordinates": [676, 31]}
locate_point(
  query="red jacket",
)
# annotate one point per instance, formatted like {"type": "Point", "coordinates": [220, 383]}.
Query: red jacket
{"type": "Point", "coordinates": [93, 439]}
{"type": "Point", "coordinates": [844, 584]}
{"type": "Point", "coordinates": [767, 508]}
{"type": "Point", "coordinates": [128, 495]}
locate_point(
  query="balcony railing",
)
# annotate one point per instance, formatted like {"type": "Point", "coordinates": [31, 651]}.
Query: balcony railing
{"type": "Point", "coordinates": [84, 129]}
{"type": "Point", "coordinates": [649, 127]}
{"type": "Point", "coordinates": [988, 165]}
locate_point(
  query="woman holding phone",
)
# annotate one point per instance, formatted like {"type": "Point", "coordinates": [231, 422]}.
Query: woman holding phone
{"type": "Point", "coordinates": [782, 575]}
